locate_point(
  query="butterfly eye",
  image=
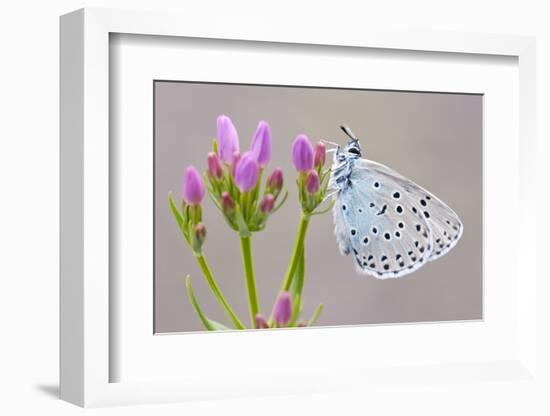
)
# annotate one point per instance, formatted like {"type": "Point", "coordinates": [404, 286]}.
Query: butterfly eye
{"type": "Point", "coordinates": [354, 151]}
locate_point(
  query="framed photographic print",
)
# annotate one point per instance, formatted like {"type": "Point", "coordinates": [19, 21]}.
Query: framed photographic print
{"type": "Point", "coordinates": [245, 215]}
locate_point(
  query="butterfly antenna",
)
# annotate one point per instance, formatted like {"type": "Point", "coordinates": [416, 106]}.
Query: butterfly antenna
{"type": "Point", "coordinates": [349, 133]}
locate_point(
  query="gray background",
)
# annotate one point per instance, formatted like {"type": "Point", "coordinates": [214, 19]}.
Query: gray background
{"type": "Point", "coordinates": [434, 139]}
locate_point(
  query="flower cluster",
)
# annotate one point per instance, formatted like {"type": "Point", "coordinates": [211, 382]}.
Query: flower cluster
{"type": "Point", "coordinates": [285, 314]}
{"type": "Point", "coordinates": [235, 180]}
{"type": "Point", "coordinates": [189, 218]}
{"type": "Point", "coordinates": [313, 179]}
{"type": "Point", "coordinates": [234, 183]}
{"type": "Point", "coordinates": [282, 313]}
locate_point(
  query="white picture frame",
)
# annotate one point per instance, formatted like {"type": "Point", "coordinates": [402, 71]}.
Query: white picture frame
{"type": "Point", "coordinates": [87, 326]}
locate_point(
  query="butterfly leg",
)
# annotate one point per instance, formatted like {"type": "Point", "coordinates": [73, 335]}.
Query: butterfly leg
{"type": "Point", "coordinates": [338, 167]}
{"type": "Point", "coordinates": [331, 143]}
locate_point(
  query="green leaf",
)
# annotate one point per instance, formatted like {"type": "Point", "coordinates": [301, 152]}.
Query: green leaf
{"type": "Point", "coordinates": [209, 324]}
{"type": "Point", "coordinates": [213, 197]}
{"type": "Point", "coordinates": [296, 303]}
{"type": "Point", "coordinates": [178, 216]}
{"type": "Point", "coordinates": [256, 190]}
{"type": "Point", "coordinates": [241, 223]}
{"type": "Point", "coordinates": [298, 287]}
{"type": "Point", "coordinates": [175, 210]}
{"type": "Point", "coordinates": [280, 204]}
{"type": "Point", "coordinates": [324, 210]}
{"type": "Point", "coordinates": [211, 185]}
{"type": "Point", "coordinates": [315, 315]}
{"type": "Point", "coordinates": [325, 176]}
{"type": "Point", "coordinates": [217, 326]}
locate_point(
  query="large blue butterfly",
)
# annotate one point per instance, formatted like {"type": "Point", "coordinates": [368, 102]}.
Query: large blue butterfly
{"type": "Point", "coordinates": [390, 225]}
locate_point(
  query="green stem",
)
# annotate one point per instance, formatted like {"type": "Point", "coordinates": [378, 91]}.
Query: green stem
{"type": "Point", "coordinates": [298, 281]}
{"type": "Point", "coordinates": [297, 252]}
{"type": "Point", "coordinates": [297, 287]}
{"type": "Point", "coordinates": [250, 281]}
{"type": "Point", "coordinates": [315, 315]}
{"type": "Point", "coordinates": [208, 323]}
{"type": "Point", "coordinates": [217, 292]}
{"type": "Point", "coordinates": [245, 198]}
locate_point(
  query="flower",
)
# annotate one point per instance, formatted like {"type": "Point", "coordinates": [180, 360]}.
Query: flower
{"type": "Point", "coordinates": [282, 310]}
{"type": "Point", "coordinates": [312, 182]}
{"type": "Point", "coordinates": [193, 187]}
{"type": "Point", "coordinates": [198, 237]}
{"type": "Point", "coordinates": [261, 144]}
{"type": "Point", "coordinates": [246, 172]}
{"type": "Point", "coordinates": [275, 182]}
{"type": "Point", "coordinates": [228, 139]}
{"type": "Point", "coordinates": [320, 154]}
{"type": "Point", "coordinates": [227, 202]}
{"type": "Point", "coordinates": [200, 232]}
{"type": "Point", "coordinates": [214, 166]}
{"type": "Point", "coordinates": [234, 160]}
{"type": "Point", "coordinates": [261, 322]}
{"type": "Point", "coordinates": [267, 203]}
{"type": "Point", "coordinates": [302, 153]}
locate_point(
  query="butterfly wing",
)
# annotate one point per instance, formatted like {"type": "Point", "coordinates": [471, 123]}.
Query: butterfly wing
{"type": "Point", "coordinates": [445, 225]}
{"type": "Point", "coordinates": [390, 224]}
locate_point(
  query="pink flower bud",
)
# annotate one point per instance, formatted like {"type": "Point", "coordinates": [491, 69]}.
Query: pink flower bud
{"type": "Point", "coordinates": [228, 139]}
{"type": "Point", "coordinates": [193, 187]}
{"type": "Point", "coordinates": [320, 154]}
{"type": "Point", "coordinates": [200, 232]}
{"type": "Point", "coordinates": [261, 323]}
{"type": "Point", "coordinates": [234, 161]}
{"type": "Point", "coordinates": [267, 204]}
{"type": "Point", "coordinates": [261, 144]}
{"type": "Point", "coordinates": [312, 182]}
{"type": "Point", "coordinates": [227, 202]}
{"type": "Point", "coordinates": [275, 181]}
{"type": "Point", "coordinates": [214, 166]}
{"type": "Point", "coordinates": [302, 153]}
{"type": "Point", "coordinates": [282, 310]}
{"type": "Point", "coordinates": [246, 172]}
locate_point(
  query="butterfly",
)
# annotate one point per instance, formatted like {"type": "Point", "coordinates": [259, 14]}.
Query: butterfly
{"type": "Point", "coordinates": [391, 225]}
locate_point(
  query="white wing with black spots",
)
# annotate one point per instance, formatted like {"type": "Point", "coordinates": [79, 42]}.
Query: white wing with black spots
{"type": "Point", "coordinates": [391, 225]}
